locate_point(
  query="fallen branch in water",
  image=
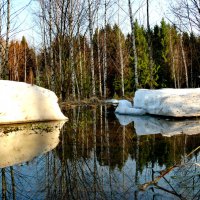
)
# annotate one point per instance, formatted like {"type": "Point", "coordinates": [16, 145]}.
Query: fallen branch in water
{"type": "Point", "coordinates": [197, 164]}
{"type": "Point", "coordinates": [164, 172]}
{"type": "Point", "coordinates": [192, 151]}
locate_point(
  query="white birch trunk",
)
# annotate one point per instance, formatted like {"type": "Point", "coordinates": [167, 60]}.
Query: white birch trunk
{"type": "Point", "coordinates": [91, 47]}
{"type": "Point", "coordinates": [15, 76]}
{"type": "Point", "coordinates": [44, 44]}
{"type": "Point", "coordinates": [60, 66]}
{"type": "Point", "coordinates": [80, 59]}
{"type": "Point", "coordinates": [71, 47]}
{"type": "Point", "coordinates": [121, 57]}
{"type": "Point", "coordinates": [184, 61]}
{"type": "Point", "coordinates": [99, 59]}
{"type": "Point", "coordinates": [172, 57]}
{"type": "Point", "coordinates": [133, 45]}
{"type": "Point", "coordinates": [25, 62]}
{"type": "Point", "coordinates": [149, 47]}
{"type": "Point", "coordinates": [37, 71]}
{"type": "Point", "coordinates": [51, 48]}
{"type": "Point", "coordinates": [105, 54]}
{"type": "Point", "coordinates": [7, 37]}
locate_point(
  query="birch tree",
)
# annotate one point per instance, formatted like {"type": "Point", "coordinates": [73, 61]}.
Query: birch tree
{"type": "Point", "coordinates": [105, 66]}
{"type": "Point", "coordinates": [133, 44]}
{"type": "Point", "coordinates": [7, 37]}
{"type": "Point", "coordinates": [71, 47]}
{"type": "Point", "coordinates": [90, 16]}
{"type": "Point", "coordinates": [51, 47]}
{"type": "Point", "coordinates": [44, 40]}
{"type": "Point", "coordinates": [172, 59]}
{"type": "Point", "coordinates": [99, 58]}
{"type": "Point", "coordinates": [184, 61]}
{"type": "Point", "coordinates": [121, 57]}
{"type": "Point", "coordinates": [149, 47]}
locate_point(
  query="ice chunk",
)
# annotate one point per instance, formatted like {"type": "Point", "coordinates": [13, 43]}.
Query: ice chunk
{"type": "Point", "coordinates": [125, 107]}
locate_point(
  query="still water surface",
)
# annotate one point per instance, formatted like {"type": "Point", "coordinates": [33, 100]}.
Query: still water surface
{"type": "Point", "coordinates": [97, 155]}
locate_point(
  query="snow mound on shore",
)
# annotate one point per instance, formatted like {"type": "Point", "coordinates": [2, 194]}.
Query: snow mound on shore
{"type": "Point", "coordinates": [21, 102]}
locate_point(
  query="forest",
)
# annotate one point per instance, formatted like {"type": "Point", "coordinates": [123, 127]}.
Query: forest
{"type": "Point", "coordinates": [83, 55]}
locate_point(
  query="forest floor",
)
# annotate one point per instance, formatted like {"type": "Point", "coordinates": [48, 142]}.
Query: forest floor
{"type": "Point", "coordinates": [93, 101]}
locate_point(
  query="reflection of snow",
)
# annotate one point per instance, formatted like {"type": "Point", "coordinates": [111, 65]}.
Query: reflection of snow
{"type": "Point", "coordinates": [146, 124]}
{"type": "Point", "coordinates": [21, 143]}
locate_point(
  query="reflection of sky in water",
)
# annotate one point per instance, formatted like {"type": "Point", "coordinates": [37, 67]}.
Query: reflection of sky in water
{"type": "Point", "coordinates": [105, 160]}
{"type": "Point", "coordinates": [30, 179]}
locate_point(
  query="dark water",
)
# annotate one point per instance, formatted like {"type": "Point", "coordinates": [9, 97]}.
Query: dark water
{"type": "Point", "coordinates": [93, 156]}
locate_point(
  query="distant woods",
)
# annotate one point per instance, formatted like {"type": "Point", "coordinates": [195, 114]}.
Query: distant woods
{"type": "Point", "coordinates": [84, 55]}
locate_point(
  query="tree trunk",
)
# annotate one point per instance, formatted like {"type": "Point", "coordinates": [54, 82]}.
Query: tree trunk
{"type": "Point", "coordinates": [105, 66]}
{"type": "Point", "coordinates": [60, 66]}
{"type": "Point", "coordinates": [133, 44]}
{"type": "Point", "coordinates": [51, 47]}
{"type": "Point", "coordinates": [80, 57]}
{"type": "Point", "coordinates": [184, 61]}
{"type": "Point", "coordinates": [149, 47]}
{"type": "Point", "coordinates": [80, 65]}
{"type": "Point", "coordinates": [121, 57]}
{"type": "Point", "coordinates": [25, 63]}
{"type": "Point", "coordinates": [172, 62]}
{"type": "Point", "coordinates": [71, 49]}
{"type": "Point", "coordinates": [37, 70]}
{"type": "Point", "coordinates": [44, 44]}
{"type": "Point", "coordinates": [16, 76]}
{"type": "Point", "coordinates": [91, 47]}
{"type": "Point", "coordinates": [7, 38]}
{"type": "Point", "coordinates": [99, 60]}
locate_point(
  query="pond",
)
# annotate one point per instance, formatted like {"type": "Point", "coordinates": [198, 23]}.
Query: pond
{"type": "Point", "coordinates": [97, 155]}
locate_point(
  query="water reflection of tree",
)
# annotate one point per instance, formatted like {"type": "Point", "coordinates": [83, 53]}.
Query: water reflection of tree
{"type": "Point", "coordinates": [123, 143]}
{"type": "Point", "coordinates": [103, 146]}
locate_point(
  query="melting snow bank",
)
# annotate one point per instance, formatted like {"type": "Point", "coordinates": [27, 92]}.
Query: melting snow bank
{"type": "Point", "coordinates": [21, 102]}
{"type": "Point", "coordinates": [165, 102]}
{"type": "Point", "coordinates": [146, 125]}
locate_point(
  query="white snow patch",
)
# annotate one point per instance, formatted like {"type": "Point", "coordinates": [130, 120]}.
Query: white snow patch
{"type": "Point", "coordinates": [112, 101]}
{"type": "Point", "coordinates": [169, 102]}
{"type": "Point", "coordinates": [22, 102]}
{"type": "Point", "coordinates": [125, 107]}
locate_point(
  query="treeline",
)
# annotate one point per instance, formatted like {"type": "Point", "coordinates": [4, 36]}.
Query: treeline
{"type": "Point", "coordinates": [175, 62]}
{"type": "Point", "coordinates": [80, 59]}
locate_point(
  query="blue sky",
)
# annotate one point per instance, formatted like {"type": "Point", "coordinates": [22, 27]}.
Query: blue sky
{"type": "Point", "coordinates": [26, 20]}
